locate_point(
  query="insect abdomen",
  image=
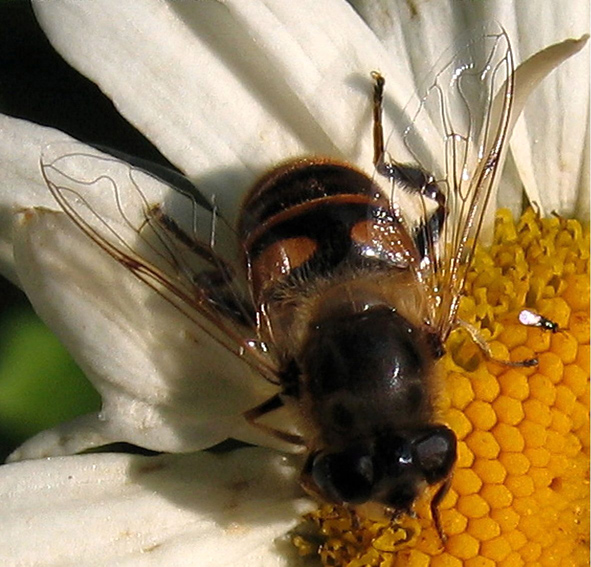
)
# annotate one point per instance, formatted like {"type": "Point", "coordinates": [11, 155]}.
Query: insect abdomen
{"type": "Point", "coordinates": [309, 218]}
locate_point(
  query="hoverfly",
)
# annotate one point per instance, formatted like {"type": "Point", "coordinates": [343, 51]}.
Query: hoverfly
{"type": "Point", "coordinates": [327, 287]}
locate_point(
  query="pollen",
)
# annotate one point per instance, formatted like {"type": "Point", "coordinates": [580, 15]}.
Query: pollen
{"type": "Point", "coordinates": [520, 490]}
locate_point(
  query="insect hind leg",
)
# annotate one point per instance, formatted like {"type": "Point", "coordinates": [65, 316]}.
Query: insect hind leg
{"type": "Point", "coordinates": [428, 232]}
{"type": "Point", "coordinates": [215, 282]}
{"type": "Point", "coordinates": [411, 179]}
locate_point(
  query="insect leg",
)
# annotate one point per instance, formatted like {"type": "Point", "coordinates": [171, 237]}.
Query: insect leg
{"type": "Point", "coordinates": [273, 403]}
{"type": "Point", "coordinates": [485, 348]}
{"type": "Point", "coordinates": [427, 233]}
{"type": "Point", "coordinates": [217, 282]}
{"type": "Point", "coordinates": [378, 129]}
{"type": "Point", "coordinates": [435, 502]}
{"type": "Point", "coordinates": [409, 178]}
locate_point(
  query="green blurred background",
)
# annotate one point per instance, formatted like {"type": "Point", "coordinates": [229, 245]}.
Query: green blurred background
{"type": "Point", "coordinates": [40, 386]}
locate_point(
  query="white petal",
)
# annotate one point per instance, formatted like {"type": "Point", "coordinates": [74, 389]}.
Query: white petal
{"type": "Point", "coordinates": [172, 79]}
{"type": "Point", "coordinates": [416, 34]}
{"type": "Point", "coordinates": [325, 57]}
{"type": "Point", "coordinates": [165, 385]}
{"type": "Point", "coordinates": [519, 171]}
{"type": "Point", "coordinates": [549, 142]}
{"type": "Point", "coordinates": [21, 184]}
{"type": "Point", "coordinates": [584, 192]}
{"type": "Point", "coordinates": [84, 432]}
{"type": "Point", "coordinates": [95, 510]}
{"type": "Point", "coordinates": [227, 89]}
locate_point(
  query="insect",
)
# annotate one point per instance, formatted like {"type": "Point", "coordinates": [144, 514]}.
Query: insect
{"type": "Point", "coordinates": [533, 319]}
{"type": "Point", "coordinates": [327, 286]}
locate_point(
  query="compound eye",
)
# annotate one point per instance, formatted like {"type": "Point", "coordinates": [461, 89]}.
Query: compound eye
{"type": "Point", "coordinates": [347, 476]}
{"type": "Point", "coordinates": [435, 454]}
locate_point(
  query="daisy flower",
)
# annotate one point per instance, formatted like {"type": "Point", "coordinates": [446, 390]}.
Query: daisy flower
{"type": "Point", "coordinates": [226, 90]}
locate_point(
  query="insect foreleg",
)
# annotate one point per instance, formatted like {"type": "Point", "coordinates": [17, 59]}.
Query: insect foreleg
{"type": "Point", "coordinates": [272, 404]}
{"type": "Point", "coordinates": [435, 502]}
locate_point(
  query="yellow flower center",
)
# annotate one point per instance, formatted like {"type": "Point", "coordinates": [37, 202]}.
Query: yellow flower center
{"type": "Point", "coordinates": [520, 490]}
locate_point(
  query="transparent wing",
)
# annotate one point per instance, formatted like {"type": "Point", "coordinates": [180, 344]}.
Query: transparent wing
{"type": "Point", "coordinates": [167, 236]}
{"type": "Point", "coordinates": [458, 135]}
